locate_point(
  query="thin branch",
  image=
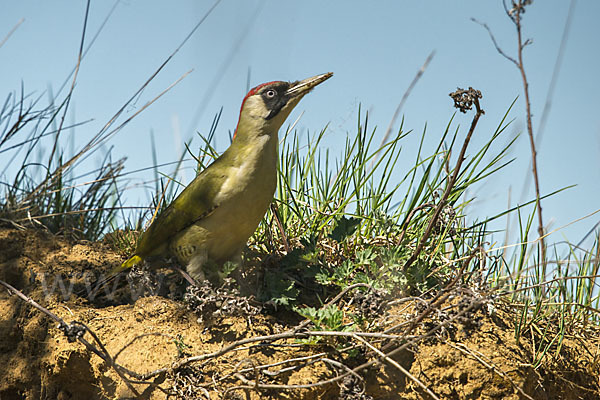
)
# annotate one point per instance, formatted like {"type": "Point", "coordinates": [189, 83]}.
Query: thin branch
{"type": "Point", "coordinates": [498, 49]}
{"type": "Point", "coordinates": [553, 80]}
{"type": "Point", "coordinates": [491, 366]}
{"type": "Point", "coordinates": [75, 331]}
{"type": "Point", "coordinates": [474, 304]}
{"type": "Point", "coordinates": [411, 214]}
{"type": "Point", "coordinates": [517, 19]}
{"type": "Point", "coordinates": [515, 14]}
{"type": "Point", "coordinates": [9, 34]}
{"type": "Point", "coordinates": [398, 366]}
{"type": "Point", "coordinates": [295, 333]}
{"type": "Point", "coordinates": [449, 186]}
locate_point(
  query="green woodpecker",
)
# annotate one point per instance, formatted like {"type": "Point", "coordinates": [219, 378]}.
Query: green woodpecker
{"type": "Point", "coordinates": [211, 220]}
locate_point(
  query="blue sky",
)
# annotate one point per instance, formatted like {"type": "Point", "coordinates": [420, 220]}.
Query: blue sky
{"type": "Point", "coordinates": [374, 49]}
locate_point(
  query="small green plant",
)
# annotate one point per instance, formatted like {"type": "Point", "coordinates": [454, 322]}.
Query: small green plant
{"type": "Point", "coordinates": [329, 318]}
{"type": "Point", "coordinates": [182, 347]}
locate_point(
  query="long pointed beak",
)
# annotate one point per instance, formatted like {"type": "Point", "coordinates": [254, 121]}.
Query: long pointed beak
{"type": "Point", "coordinates": [300, 88]}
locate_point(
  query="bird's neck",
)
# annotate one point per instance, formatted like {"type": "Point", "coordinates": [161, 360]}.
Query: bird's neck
{"type": "Point", "coordinates": [255, 143]}
{"type": "Point", "coordinates": [255, 135]}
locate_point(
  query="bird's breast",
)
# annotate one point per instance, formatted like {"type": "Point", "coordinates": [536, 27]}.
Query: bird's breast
{"type": "Point", "coordinates": [243, 200]}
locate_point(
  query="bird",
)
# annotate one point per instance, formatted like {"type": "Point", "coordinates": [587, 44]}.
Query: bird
{"type": "Point", "coordinates": [211, 220]}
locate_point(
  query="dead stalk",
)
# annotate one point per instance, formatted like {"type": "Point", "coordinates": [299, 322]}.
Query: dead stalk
{"type": "Point", "coordinates": [515, 14]}
{"type": "Point", "coordinates": [473, 97]}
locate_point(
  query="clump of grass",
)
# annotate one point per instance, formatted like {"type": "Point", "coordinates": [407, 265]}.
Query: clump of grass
{"type": "Point", "coordinates": [42, 192]}
{"type": "Point", "coordinates": [346, 221]}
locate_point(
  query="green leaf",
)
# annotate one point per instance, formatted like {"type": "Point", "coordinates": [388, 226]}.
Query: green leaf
{"type": "Point", "coordinates": [228, 268]}
{"type": "Point", "coordinates": [344, 228]}
{"type": "Point", "coordinates": [326, 318]}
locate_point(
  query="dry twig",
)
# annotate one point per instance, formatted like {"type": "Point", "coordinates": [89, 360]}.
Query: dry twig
{"type": "Point", "coordinates": [516, 14]}
{"type": "Point", "coordinates": [490, 365]}
{"type": "Point", "coordinates": [398, 366]}
{"type": "Point", "coordinates": [471, 97]}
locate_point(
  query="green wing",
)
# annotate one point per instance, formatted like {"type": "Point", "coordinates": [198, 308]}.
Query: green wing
{"type": "Point", "coordinates": [197, 201]}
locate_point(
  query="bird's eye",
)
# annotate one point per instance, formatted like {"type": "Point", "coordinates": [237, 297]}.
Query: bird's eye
{"type": "Point", "coordinates": [271, 93]}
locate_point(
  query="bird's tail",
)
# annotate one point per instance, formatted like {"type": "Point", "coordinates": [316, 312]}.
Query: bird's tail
{"type": "Point", "coordinates": [131, 261]}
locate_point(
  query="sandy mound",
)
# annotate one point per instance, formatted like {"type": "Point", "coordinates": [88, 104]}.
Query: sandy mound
{"type": "Point", "coordinates": [470, 358]}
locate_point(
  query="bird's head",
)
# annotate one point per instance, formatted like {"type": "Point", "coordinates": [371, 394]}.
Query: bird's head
{"type": "Point", "coordinates": [265, 107]}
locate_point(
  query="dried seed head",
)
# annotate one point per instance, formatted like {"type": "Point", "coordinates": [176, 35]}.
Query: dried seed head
{"type": "Point", "coordinates": [464, 99]}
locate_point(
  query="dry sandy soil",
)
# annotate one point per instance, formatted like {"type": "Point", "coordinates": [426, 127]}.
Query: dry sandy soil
{"type": "Point", "coordinates": [473, 358]}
